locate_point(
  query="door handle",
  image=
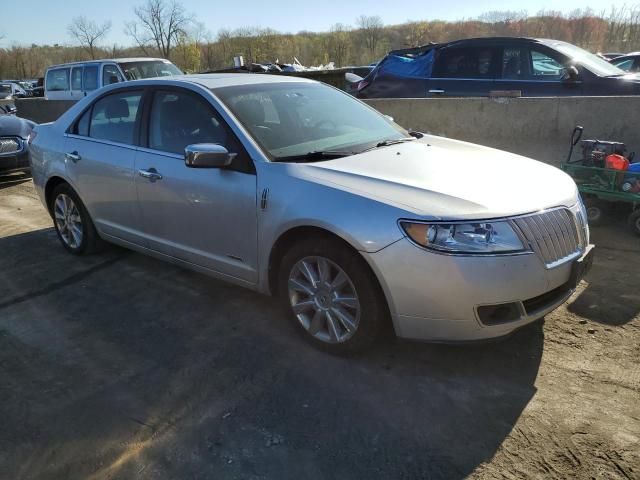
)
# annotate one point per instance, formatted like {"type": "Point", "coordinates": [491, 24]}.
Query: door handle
{"type": "Point", "coordinates": [73, 156]}
{"type": "Point", "coordinates": [436, 91]}
{"type": "Point", "coordinates": [152, 174]}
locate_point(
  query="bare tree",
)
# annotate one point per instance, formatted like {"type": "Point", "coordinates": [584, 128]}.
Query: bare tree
{"type": "Point", "coordinates": [160, 23]}
{"type": "Point", "coordinates": [88, 33]}
{"type": "Point", "coordinates": [372, 31]}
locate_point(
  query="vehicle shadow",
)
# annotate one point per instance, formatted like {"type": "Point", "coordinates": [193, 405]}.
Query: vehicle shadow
{"type": "Point", "coordinates": [610, 295]}
{"type": "Point", "coordinates": [11, 180]}
{"type": "Point", "coordinates": [132, 368]}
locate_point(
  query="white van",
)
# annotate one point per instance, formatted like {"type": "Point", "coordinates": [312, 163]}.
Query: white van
{"type": "Point", "coordinates": [72, 81]}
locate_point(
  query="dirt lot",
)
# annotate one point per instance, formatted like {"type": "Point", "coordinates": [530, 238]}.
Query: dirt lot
{"type": "Point", "coordinates": [120, 366]}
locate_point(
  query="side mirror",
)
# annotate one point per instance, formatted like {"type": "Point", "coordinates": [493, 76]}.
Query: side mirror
{"type": "Point", "coordinates": [207, 155]}
{"type": "Point", "coordinates": [113, 79]}
{"type": "Point", "coordinates": [571, 74]}
{"type": "Point", "coordinates": [352, 77]}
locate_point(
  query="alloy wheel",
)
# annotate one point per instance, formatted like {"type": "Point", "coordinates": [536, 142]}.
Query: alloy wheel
{"type": "Point", "coordinates": [323, 299]}
{"type": "Point", "coordinates": [68, 220]}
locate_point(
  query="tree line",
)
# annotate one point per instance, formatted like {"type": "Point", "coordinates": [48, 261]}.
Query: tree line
{"type": "Point", "coordinates": [164, 28]}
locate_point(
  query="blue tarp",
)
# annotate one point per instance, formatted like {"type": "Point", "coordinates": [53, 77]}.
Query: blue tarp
{"type": "Point", "coordinates": [416, 67]}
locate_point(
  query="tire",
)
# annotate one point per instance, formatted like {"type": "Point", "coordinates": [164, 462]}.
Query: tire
{"type": "Point", "coordinates": [72, 222]}
{"type": "Point", "coordinates": [345, 319]}
{"type": "Point", "coordinates": [597, 211]}
{"type": "Point", "coordinates": [634, 222]}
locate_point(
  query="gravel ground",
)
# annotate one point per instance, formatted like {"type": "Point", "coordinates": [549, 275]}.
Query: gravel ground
{"type": "Point", "coordinates": [120, 366]}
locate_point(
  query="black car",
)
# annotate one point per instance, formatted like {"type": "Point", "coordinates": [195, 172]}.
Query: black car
{"type": "Point", "coordinates": [482, 67]}
{"type": "Point", "coordinates": [628, 63]}
{"type": "Point", "coordinates": [14, 135]}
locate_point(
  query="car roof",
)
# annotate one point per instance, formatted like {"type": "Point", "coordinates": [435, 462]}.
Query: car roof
{"type": "Point", "coordinates": [219, 80]}
{"type": "Point", "coordinates": [111, 60]}
{"type": "Point", "coordinates": [627, 55]}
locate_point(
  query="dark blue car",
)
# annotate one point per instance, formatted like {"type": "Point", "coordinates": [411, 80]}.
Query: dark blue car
{"type": "Point", "coordinates": [482, 67]}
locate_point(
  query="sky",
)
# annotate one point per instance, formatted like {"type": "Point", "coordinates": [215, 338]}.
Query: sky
{"type": "Point", "coordinates": [45, 21]}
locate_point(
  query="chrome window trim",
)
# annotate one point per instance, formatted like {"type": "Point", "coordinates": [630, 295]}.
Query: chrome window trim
{"type": "Point", "coordinates": [102, 141]}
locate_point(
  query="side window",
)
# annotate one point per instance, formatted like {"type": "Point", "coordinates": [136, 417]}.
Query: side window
{"type": "Point", "coordinates": [76, 78]}
{"type": "Point", "coordinates": [82, 124]}
{"type": "Point", "coordinates": [90, 78]}
{"type": "Point", "coordinates": [58, 80]}
{"type": "Point", "coordinates": [466, 62]}
{"type": "Point", "coordinates": [180, 118]}
{"type": "Point", "coordinates": [114, 117]}
{"type": "Point", "coordinates": [513, 65]}
{"type": "Point", "coordinates": [543, 67]}
{"type": "Point", "coordinates": [110, 74]}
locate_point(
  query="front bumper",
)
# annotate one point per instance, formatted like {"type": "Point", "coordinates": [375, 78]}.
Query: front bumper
{"type": "Point", "coordinates": [15, 161]}
{"type": "Point", "coordinates": [436, 297]}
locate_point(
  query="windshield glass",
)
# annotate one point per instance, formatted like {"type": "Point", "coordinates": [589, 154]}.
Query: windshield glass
{"type": "Point", "coordinates": [592, 62]}
{"type": "Point", "coordinates": [290, 119]}
{"type": "Point", "coordinates": [149, 69]}
{"type": "Point", "coordinates": [5, 89]}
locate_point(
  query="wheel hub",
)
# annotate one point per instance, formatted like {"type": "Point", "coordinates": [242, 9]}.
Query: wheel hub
{"type": "Point", "coordinates": [323, 299]}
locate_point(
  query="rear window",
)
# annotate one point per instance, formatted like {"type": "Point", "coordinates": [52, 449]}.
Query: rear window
{"type": "Point", "coordinates": [468, 62]}
{"type": "Point", "coordinates": [58, 79]}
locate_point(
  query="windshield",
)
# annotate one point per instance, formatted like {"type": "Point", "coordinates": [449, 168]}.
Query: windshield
{"type": "Point", "coordinates": [149, 69]}
{"type": "Point", "coordinates": [592, 62]}
{"type": "Point", "coordinates": [291, 119]}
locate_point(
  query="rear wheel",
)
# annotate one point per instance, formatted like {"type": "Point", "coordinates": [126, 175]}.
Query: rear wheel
{"type": "Point", "coordinates": [332, 296]}
{"type": "Point", "coordinates": [72, 222]}
{"type": "Point", "coordinates": [634, 222]}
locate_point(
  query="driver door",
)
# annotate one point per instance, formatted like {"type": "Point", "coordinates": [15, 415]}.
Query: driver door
{"type": "Point", "coordinates": [203, 216]}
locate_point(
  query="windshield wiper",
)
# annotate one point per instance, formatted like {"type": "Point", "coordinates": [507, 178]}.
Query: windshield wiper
{"type": "Point", "coordinates": [315, 156]}
{"type": "Point", "coordinates": [387, 143]}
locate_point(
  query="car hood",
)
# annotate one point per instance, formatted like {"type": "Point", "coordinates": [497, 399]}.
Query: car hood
{"type": "Point", "coordinates": [437, 178]}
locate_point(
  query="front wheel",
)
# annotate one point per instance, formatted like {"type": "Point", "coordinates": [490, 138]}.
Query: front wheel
{"type": "Point", "coordinates": [597, 211]}
{"type": "Point", "coordinates": [332, 296]}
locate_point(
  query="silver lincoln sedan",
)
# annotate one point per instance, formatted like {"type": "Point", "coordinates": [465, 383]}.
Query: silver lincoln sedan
{"type": "Point", "coordinates": [293, 188]}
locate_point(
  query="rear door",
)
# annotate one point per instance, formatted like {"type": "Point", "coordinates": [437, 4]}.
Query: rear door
{"type": "Point", "coordinates": [57, 85]}
{"type": "Point", "coordinates": [100, 153]}
{"type": "Point", "coordinates": [464, 71]}
{"type": "Point", "coordinates": [531, 70]}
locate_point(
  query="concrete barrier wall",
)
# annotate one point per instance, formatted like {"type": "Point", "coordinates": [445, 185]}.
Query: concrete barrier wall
{"type": "Point", "coordinates": [40, 110]}
{"type": "Point", "coordinates": [535, 127]}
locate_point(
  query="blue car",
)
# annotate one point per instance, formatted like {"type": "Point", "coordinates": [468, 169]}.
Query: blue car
{"type": "Point", "coordinates": [482, 67]}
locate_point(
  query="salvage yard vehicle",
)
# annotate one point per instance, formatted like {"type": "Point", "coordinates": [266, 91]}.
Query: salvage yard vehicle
{"type": "Point", "coordinates": [73, 81]}
{"type": "Point", "coordinates": [14, 136]}
{"type": "Point", "coordinates": [628, 63]}
{"type": "Point", "coordinates": [500, 66]}
{"type": "Point", "coordinates": [294, 188]}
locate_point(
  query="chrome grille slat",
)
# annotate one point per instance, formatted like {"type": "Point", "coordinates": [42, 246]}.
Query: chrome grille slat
{"type": "Point", "coordinates": [555, 235]}
{"type": "Point", "coordinates": [9, 145]}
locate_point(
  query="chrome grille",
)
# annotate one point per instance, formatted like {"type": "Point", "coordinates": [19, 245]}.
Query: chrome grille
{"type": "Point", "coordinates": [554, 235]}
{"type": "Point", "coordinates": [9, 145]}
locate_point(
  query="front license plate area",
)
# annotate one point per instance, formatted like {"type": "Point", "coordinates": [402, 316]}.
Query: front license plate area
{"type": "Point", "coordinates": [581, 267]}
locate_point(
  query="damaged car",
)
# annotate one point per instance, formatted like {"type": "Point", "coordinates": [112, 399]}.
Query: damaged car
{"type": "Point", "coordinates": [293, 188]}
{"type": "Point", "coordinates": [484, 67]}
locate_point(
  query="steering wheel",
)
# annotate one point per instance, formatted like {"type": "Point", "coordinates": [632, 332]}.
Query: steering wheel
{"type": "Point", "coordinates": [327, 121]}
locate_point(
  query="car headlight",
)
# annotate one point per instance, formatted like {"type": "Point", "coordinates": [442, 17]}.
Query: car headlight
{"type": "Point", "coordinates": [471, 238]}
